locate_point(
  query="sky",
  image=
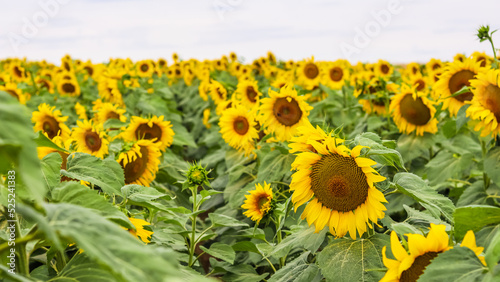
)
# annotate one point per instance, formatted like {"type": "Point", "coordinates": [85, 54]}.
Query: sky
{"type": "Point", "coordinates": [399, 31]}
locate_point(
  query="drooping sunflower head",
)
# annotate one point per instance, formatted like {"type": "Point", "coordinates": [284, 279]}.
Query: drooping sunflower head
{"type": "Point", "coordinates": [413, 111]}
{"type": "Point", "coordinates": [90, 138]}
{"type": "Point", "coordinates": [155, 129]}
{"type": "Point", "coordinates": [258, 203]}
{"type": "Point", "coordinates": [459, 57]}
{"type": "Point", "coordinates": [140, 162]}
{"type": "Point", "coordinates": [283, 112]}
{"type": "Point", "coordinates": [145, 68]}
{"type": "Point", "coordinates": [308, 74]}
{"type": "Point", "coordinates": [50, 121]}
{"type": "Point", "coordinates": [15, 92]}
{"type": "Point", "coordinates": [339, 185]}
{"type": "Point", "coordinates": [482, 58]}
{"type": "Point", "coordinates": [238, 128]}
{"type": "Point", "coordinates": [140, 232]}
{"type": "Point", "coordinates": [247, 92]}
{"type": "Point", "coordinates": [456, 75]}
{"type": "Point", "coordinates": [68, 87]}
{"type": "Point", "coordinates": [485, 106]}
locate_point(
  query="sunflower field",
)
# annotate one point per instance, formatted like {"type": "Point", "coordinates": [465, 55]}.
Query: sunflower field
{"type": "Point", "coordinates": [272, 170]}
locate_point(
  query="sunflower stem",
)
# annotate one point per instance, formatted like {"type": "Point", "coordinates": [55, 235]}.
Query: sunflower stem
{"type": "Point", "coordinates": [271, 264]}
{"type": "Point", "coordinates": [486, 179]}
{"type": "Point", "coordinates": [280, 238]}
{"type": "Point", "coordinates": [192, 244]}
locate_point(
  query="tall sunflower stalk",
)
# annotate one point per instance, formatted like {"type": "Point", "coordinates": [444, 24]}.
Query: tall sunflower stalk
{"type": "Point", "coordinates": [483, 33]}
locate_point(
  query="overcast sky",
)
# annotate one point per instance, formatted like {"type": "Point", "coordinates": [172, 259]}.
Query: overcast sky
{"type": "Point", "coordinates": [394, 30]}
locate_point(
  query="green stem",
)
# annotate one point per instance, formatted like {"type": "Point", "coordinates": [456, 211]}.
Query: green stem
{"type": "Point", "coordinates": [272, 266]}
{"type": "Point", "coordinates": [23, 263]}
{"type": "Point", "coordinates": [203, 233]}
{"type": "Point", "coordinates": [192, 244]}
{"type": "Point", "coordinates": [484, 150]}
{"type": "Point", "coordinates": [280, 238]}
{"type": "Point", "coordinates": [493, 46]}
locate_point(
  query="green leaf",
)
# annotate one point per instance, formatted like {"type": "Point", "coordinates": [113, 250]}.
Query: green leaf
{"type": "Point", "coordinates": [473, 195]}
{"type": "Point", "coordinates": [182, 136]}
{"type": "Point", "coordinates": [243, 273]}
{"type": "Point", "coordinates": [18, 148]}
{"type": "Point", "coordinates": [413, 146]}
{"type": "Point", "coordinates": [378, 152]}
{"type": "Point", "coordinates": [301, 236]}
{"type": "Point", "coordinates": [492, 255]}
{"type": "Point", "coordinates": [43, 141]}
{"type": "Point", "coordinates": [462, 117]}
{"type": "Point", "coordinates": [113, 123]}
{"type": "Point", "coordinates": [274, 166]}
{"type": "Point", "coordinates": [81, 268]}
{"type": "Point", "coordinates": [413, 186]}
{"type": "Point", "coordinates": [107, 174]}
{"type": "Point", "coordinates": [446, 165]}
{"type": "Point", "coordinates": [51, 170]}
{"type": "Point", "coordinates": [459, 264]}
{"type": "Point", "coordinates": [474, 218]}
{"type": "Point", "coordinates": [245, 246]}
{"type": "Point", "coordinates": [348, 260]}
{"type": "Point", "coordinates": [224, 220]}
{"type": "Point", "coordinates": [492, 165]}
{"type": "Point", "coordinates": [75, 193]}
{"type": "Point", "coordinates": [297, 270]}
{"type": "Point", "coordinates": [221, 251]}
{"type": "Point", "coordinates": [144, 196]}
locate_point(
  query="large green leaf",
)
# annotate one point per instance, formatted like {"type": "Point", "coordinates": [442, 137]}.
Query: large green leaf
{"type": "Point", "coordinates": [274, 166]}
{"type": "Point", "coordinates": [18, 148]}
{"type": "Point", "coordinates": [446, 165]}
{"type": "Point", "coordinates": [349, 260]}
{"type": "Point", "coordinates": [474, 218]}
{"type": "Point", "coordinates": [51, 170]}
{"type": "Point", "coordinates": [459, 264]}
{"type": "Point", "coordinates": [297, 270]}
{"type": "Point", "coordinates": [43, 141]}
{"type": "Point", "coordinates": [224, 220]}
{"type": "Point", "coordinates": [493, 252]}
{"type": "Point", "coordinates": [144, 196]}
{"type": "Point", "coordinates": [413, 186]}
{"type": "Point", "coordinates": [80, 268]}
{"type": "Point", "coordinates": [301, 236]}
{"type": "Point", "coordinates": [107, 174]}
{"type": "Point", "coordinates": [182, 136]}
{"type": "Point", "coordinates": [77, 194]}
{"type": "Point", "coordinates": [413, 146]}
{"type": "Point", "coordinates": [474, 194]}
{"type": "Point", "coordinates": [221, 251]}
{"type": "Point", "coordinates": [492, 165]}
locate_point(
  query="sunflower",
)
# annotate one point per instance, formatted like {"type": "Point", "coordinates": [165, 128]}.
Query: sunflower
{"type": "Point", "coordinates": [456, 75]}
{"type": "Point", "coordinates": [18, 72]}
{"type": "Point", "coordinates": [309, 74]}
{"type": "Point", "coordinates": [482, 58]}
{"type": "Point", "coordinates": [283, 112]}
{"type": "Point", "coordinates": [433, 65]}
{"type": "Point", "coordinates": [68, 87]}
{"type": "Point", "coordinates": [155, 129]}
{"type": "Point", "coordinates": [248, 93]}
{"type": "Point", "coordinates": [485, 106]}
{"type": "Point", "coordinates": [412, 69]}
{"type": "Point", "coordinates": [206, 118]}
{"type": "Point", "coordinates": [139, 231]}
{"type": "Point", "coordinates": [258, 203]}
{"type": "Point", "coordinates": [459, 57]}
{"type": "Point", "coordinates": [107, 111]}
{"type": "Point", "coordinates": [237, 126]}
{"type": "Point", "coordinates": [15, 92]}
{"type": "Point", "coordinates": [81, 111]}
{"type": "Point", "coordinates": [383, 68]}
{"type": "Point", "coordinates": [422, 250]}
{"type": "Point", "coordinates": [341, 183]}
{"type": "Point", "coordinates": [45, 83]}
{"type": "Point", "coordinates": [217, 92]}
{"type": "Point", "coordinates": [145, 68]}
{"type": "Point", "coordinates": [334, 75]}
{"type": "Point", "coordinates": [175, 57]}
{"type": "Point", "coordinates": [90, 138]}
{"type": "Point", "coordinates": [305, 134]}
{"type": "Point", "coordinates": [140, 163]}
{"type": "Point", "coordinates": [204, 89]}
{"type": "Point", "coordinates": [109, 92]}
{"type": "Point", "coordinates": [420, 82]}
{"type": "Point", "coordinates": [413, 111]}
{"type": "Point", "coordinates": [50, 121]}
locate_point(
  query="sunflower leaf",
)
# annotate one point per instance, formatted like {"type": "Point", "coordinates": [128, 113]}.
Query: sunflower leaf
{"type": "Point", "coordinates": [43, 141]}
{"type": "Point", "coordinates": [144, 196]}
{"type": "Point", "coordinates": [492, 255]}
{"type": "Point", "coordinates": [297, 270]}
{"type": "Point", "coordinates": [182, 137]}
{"type": "Point", "coordinates": [224, 220]}
{"type": "Point", "coordinates": [81, 268]}
{"type": "Point", "coordinates": [492, 165]}
{"type": "Point", "coordinates": [474, 218]}
{"type": "Point", "coordinates": [51, 167]}
{"type": "Point", "coordinates": [221, 251]}
{"type": "Point", "coordinates": [353, 260]}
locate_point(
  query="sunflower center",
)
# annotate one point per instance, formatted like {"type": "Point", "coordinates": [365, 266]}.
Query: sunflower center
{"type": "Point", "coordinates": [93, 141]}
{"type": "Point", "coordinates": [482, 60]}
{"type": "Point", "coordinates": [251, 94]}
{"type": "Point", "coordinates": [112, 115]}
{"type": "Point", "coordinates": [384, 69]}
{"type": "Point", "coordinates": [13, 93]}
{"type": "Point", "coordinates": [89, 70]}
{"type": "Point", "coordinates": [339, 183]}
{"type": "Point", "coordinates": [50, 126]}
{"type": "Point", "coordinates": [378, 102]}
{"type": "Point", "coordinates": [44, 84]}
{"type": "Point", "coordinates": [143, 131]}
{"type": "Point", "coordinates": [492, 100]}
{"type": "Point", "coordinates": [135, 169]}
{"type": "Point", "coordinates": [415, 111]}
{"type": "Point", "coordinates": [287, 113]}
{"type": "Point", "coordinates": [418, 267]}
{"type": "Point", "coordinates": [144, 67]}
{"type": "Point", "coordinates": [436, 66]}
{"type": "Point", "coordinates": [311, 71]}
{"type": "Point", "coordinates": [18, 72]}
{"type": "Point", "coordinates": [336, 74]}
{"type": "Point", "coordinates": [219, 92]}
{"type": "Point", "coordinates": [241, 125]}
{"type": "Point", "coordinates": [458, 81]}
{"type": "Point", "coordinates": [262, 201]}
{"type": "Point", "coordinates": [68, 87]}
{"type": "Point", "coordinates": [177, 72]}
{"type": "Point", "coordinates": [420, 84]}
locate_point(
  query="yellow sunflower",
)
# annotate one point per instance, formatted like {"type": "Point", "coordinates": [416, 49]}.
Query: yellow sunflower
{"type": "Point", "coordinates": [248, 93]}
{"type": "Point", "coordinates": [334, 75]}
{"type": "Point", "coordinates": [145, 68]}
{"type": "Point", "coordinates": [206, 118]}
{"type": "Point", "coordinates": [413, 111]}
{"type": "Point", "coordinates": [420, 82]}
{"type": "Point", "coordinates": [433, 65]}
{"type": "Point", "coordinates": [412, 69]}
{"type": "Point", "coordinates": [238, 128]}
{"type": "Point", "coordinates": [482, 58]}
{"type": "Point", "coordinates": [217, 92]}
{"type": "Point", "coordinates": [308, 74]}
{"type": "Point", "coordinates": [90, 138]}
{"type": "Point", "coordinates": [455, 76]}
{"type": "Point", "coordinates": [155, 129]}
{"type": "Point", "coordinates": [18, 72]}
{"type": "Point", "coordinates": [107, 111]}
{"type": "Point", "coordinates": [422, 250]}
{"type": "Point", "coordinates": [341, 185]}
{"type": "Point", "coordinates": [15, 92]}
{"type": "Point", "coordinates": [68, 87]}
{"type": "Point", "coordinates": [258, 203]}
{"type": "Point", "coordinates": [459, 57]}
{"type": "Point", "coordinates": [109, 92]}
{"type": "Point", "coordinates": [140, 163]}
{"type": "Point", "coordinates": [485, 106]}
{"type": "Point", "coordinates": [81, 111]}
{"type": "Point", "coordinates": [283, 112]}
{"type": "Point", "coordinates": [383, 68]}
{"type": "Point", "coordinates": [45, 83]}
{"type": "Point", "coordinates": [50, 121]}
{"type": "Point", "coordinates": [307, 133]}
{"type": "Point", "coordinates": [139, 231]}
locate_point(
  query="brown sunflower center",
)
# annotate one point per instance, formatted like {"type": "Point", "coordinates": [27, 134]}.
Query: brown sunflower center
{"type": "Point", "coordinates": [135, 169]}
{"type": "Point", "coordinates": [418, 266]}
{"type": "Point", "coordinates": [89, 70]}
{"type": "Point", "coordinates": [143, 131]}
{"type": "Point", "coordinates": [378, 102]}
{"type": "Point", "coordinates": [482, 60]}
{"type": "Point", "coordinates": [92, 141]}
{"type": "Point", "coordinates": [178, 72]}
{"type": "Point", "coordinates": [287, 113]}
{"type": "Point", "coordinates": [50, 126]}
{"type": "Point", "coordinates": [18, 72]}
{"type": "Point", "coordinates": [112, 115]}
{"type": "Point", "coordinates": [240, 125]}
{"type": "Point", "coordinates": [262, 201]}
{"type": "Point", "coordinates": [436, 66]}
{"type": "Point", "coordinates": [68, 87]}
{"type": "Point", "coordinates": [384, 69]}
{"type": "Point", "coordinates": [414, 111]}
{"type": "Point", "coordinates": [251, 94]}
{"type": "Point", "coordinates": [492, 100]}
{"type": "Point", "coordinates": [311, 71]}
{"type": "Point", "coordinates": [336, 74]}
{"type": "Point", "coordinates": [220, 93]}
{"type": "Point", "coordinates": [458, 81]}
{"type": "Point", "coordinates": [339, 183]}
{"type": "Point", "coordinates": [13, 93]}
{"type": "Point", "coordinates": [144, 67]}
{"type": "Point", "coordinates": [420, 83]}
{"type": "Point", "coordinates": [44, 84]}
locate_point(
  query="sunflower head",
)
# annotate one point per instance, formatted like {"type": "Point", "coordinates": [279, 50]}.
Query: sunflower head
{"type": "Point", "coordinates": [15, 92]}
{"type": "Point", "coordinates": [145, 68]}
{"type": "Point", "coordinates": [90, 138]}
{"type": "Point", "coordinates": [383, 68]}
{"type": "Point", "coordinates": [197, 175]}
{"type": "Point", "coordinates": [140, 162]}
{"type": "Point", "coordinates": [308, 74]}
{"type": "Point", "coordinates": [238, 128]}
{"type": "Point", "coordinates": [68, 87]}
{"type": "Point", "coordinates": [247, 92]}
{"type": "Point", "coordinates": [155, 129]}
{"type": "Point", "coordinates": [259, 203]}
{"type": "Point", "coordinates": [140, 232]}
{"type": "Point", "coordinates": [50, 121]}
